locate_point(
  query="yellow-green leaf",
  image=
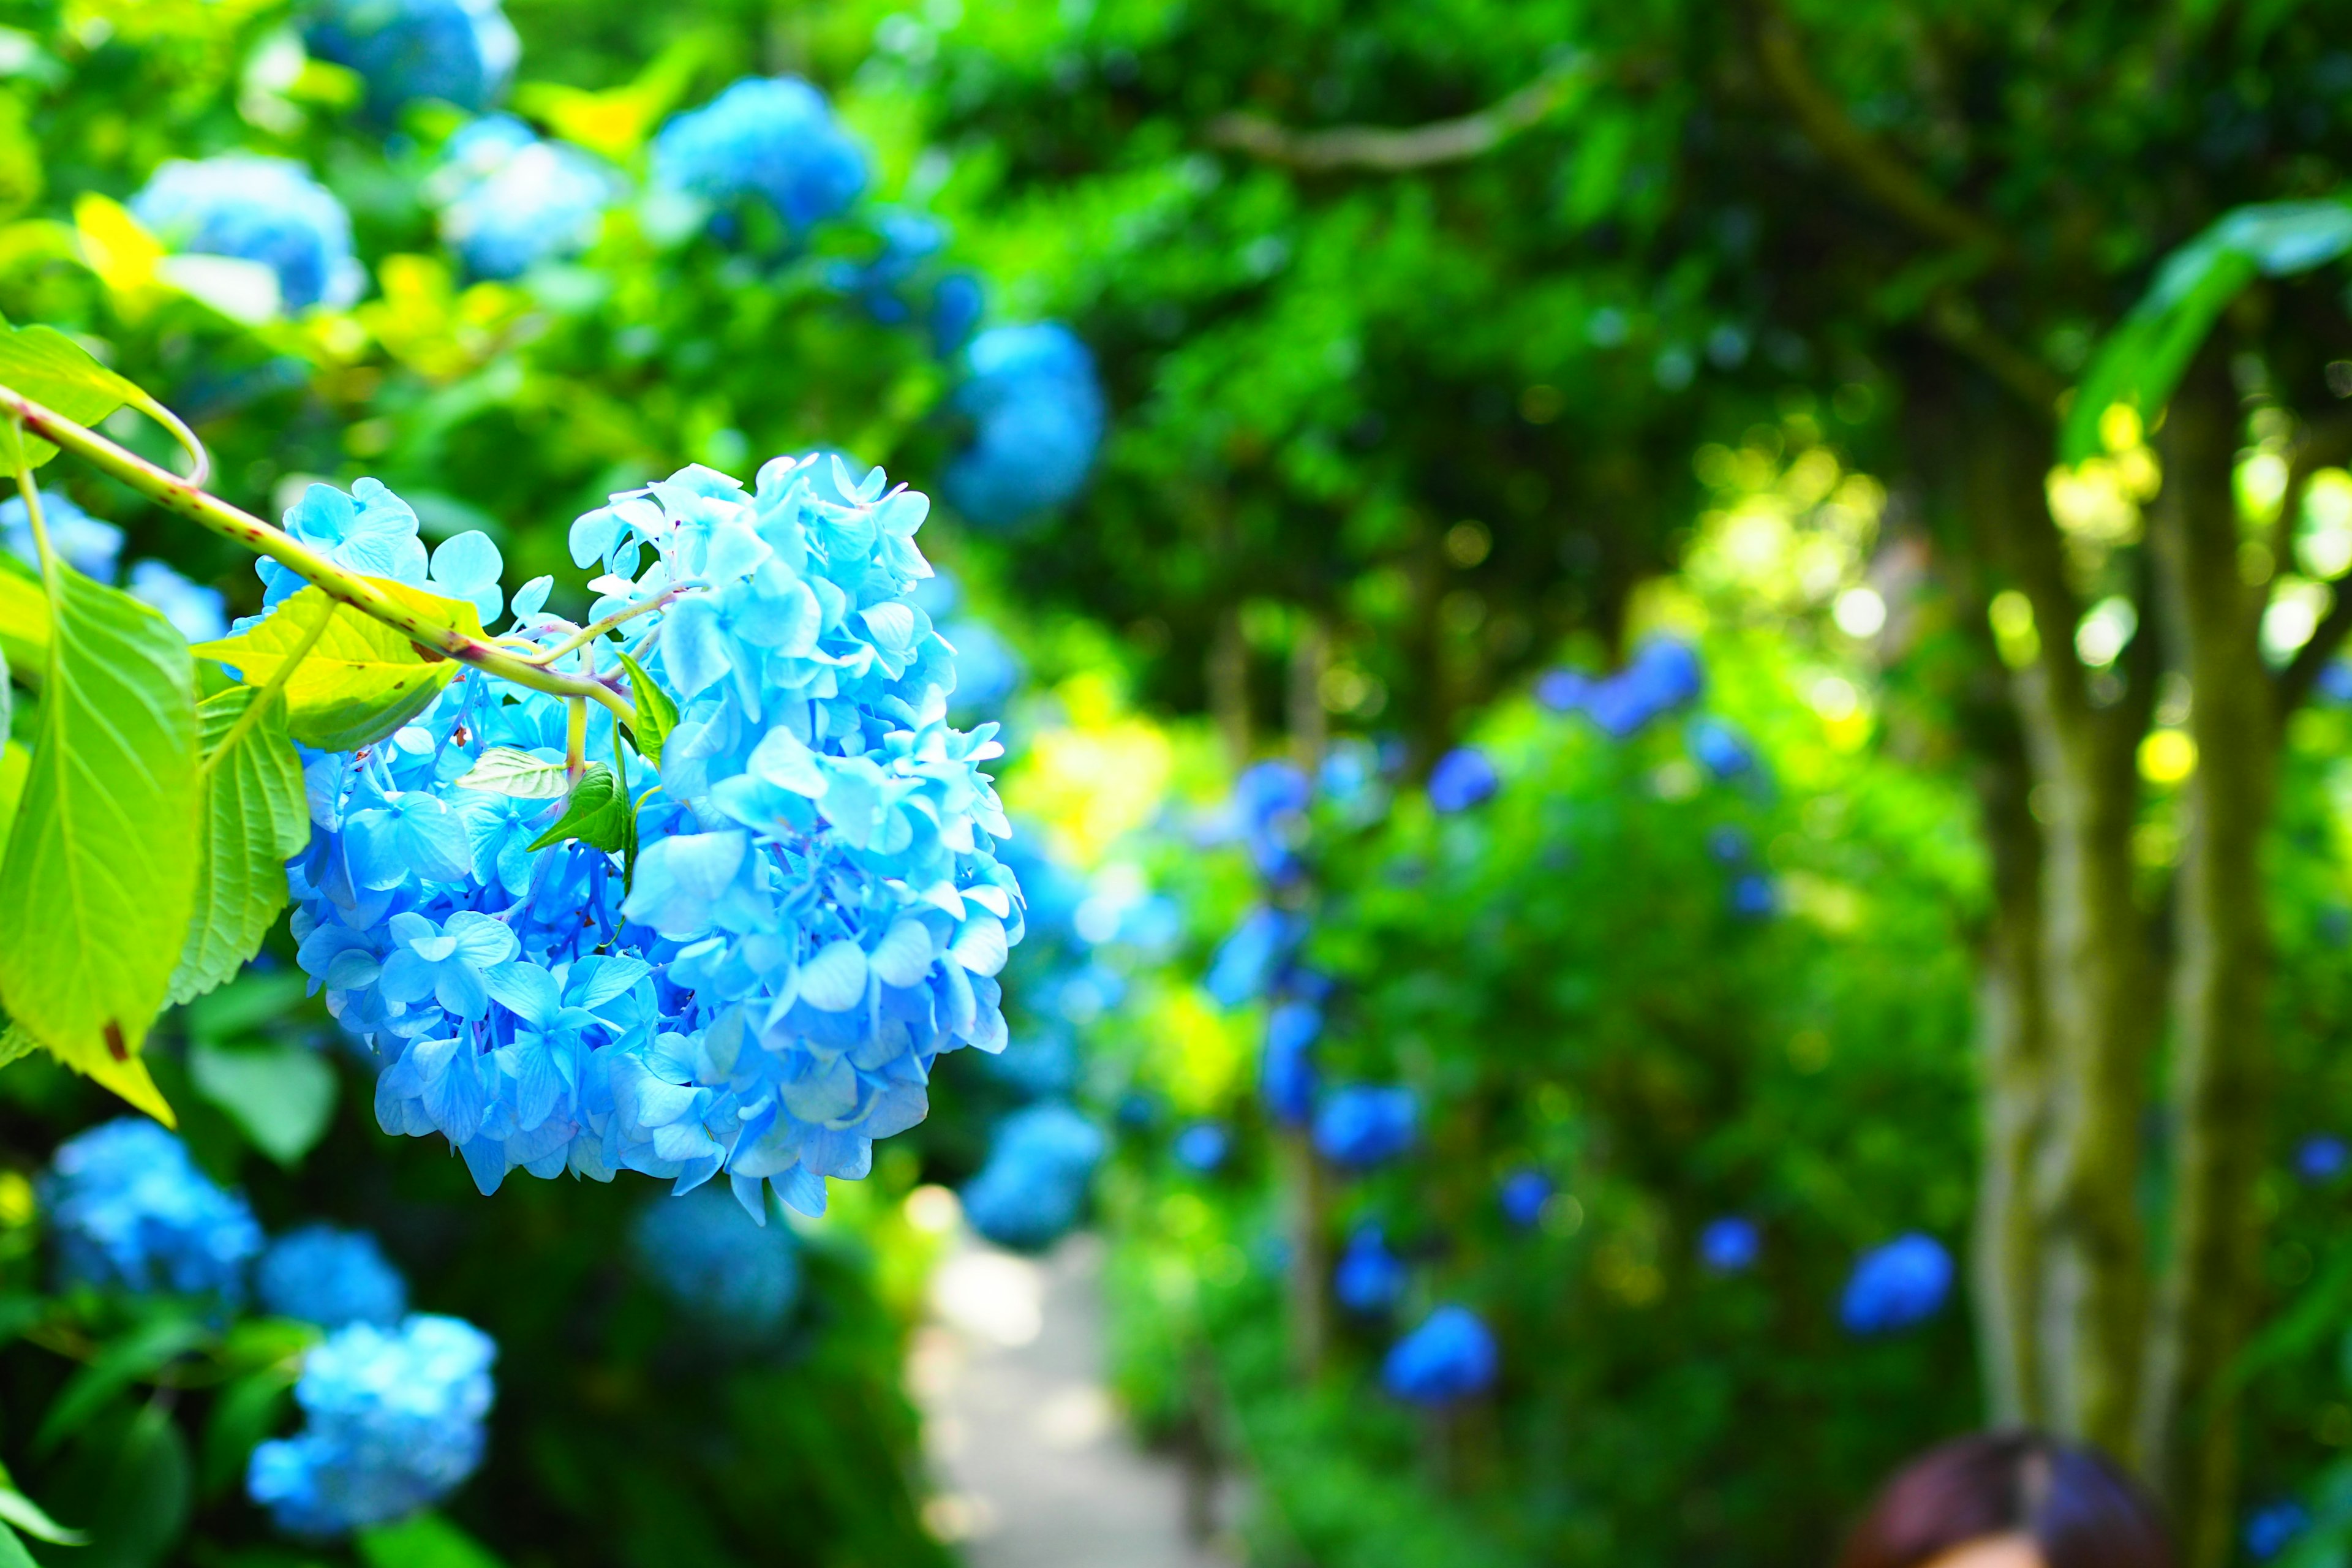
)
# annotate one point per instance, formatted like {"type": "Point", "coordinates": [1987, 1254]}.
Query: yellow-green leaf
{"type": "Point", "coordinates": [24, 617]}
{"type": "Point", "coordinates": [50, 368]}
{"type": "Point", "coordinates": [16, 763]}
{"type": "Point", "coordinates": [657, 711]}
{"type": "Point", "coordinates": [102, 864]}
{"type": "Point", "coordinates": [360, 681]}
{"type": "Point", "coordinates": [253, 818]}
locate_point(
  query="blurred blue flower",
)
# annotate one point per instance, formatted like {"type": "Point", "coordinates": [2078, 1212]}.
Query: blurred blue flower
{"type": "Point", "coordinates": [1523, 1196]}
{"type": "Point", "coordinates": [1563, 691]}
{"type": "Point", "coordinates": [1266, 812]}
{"type": "Point", "coordinates": [1286, 1076]}
{"type": "Point", "coordinates": [956, 307]}
{"type": "Point", "coordinates": [2271, 1527]}
{"type": "Point", "coordinates": [773, 138]}
{"type": "Point", "coordinates": [459, 51]}
{"type": "Point", "coordinates": [267, 210]}
{"type": "Point", "coordinates": [1752, 898]}
{"type": "Point", "coordinates": [1450, 1357]}
{"type": "Point", "coordinates": [330, 1277]}
{"type": "Point", "coordinates": [1729, 845]}
{"type": "Point", "coordinates": [1251, 959]}
{"type": "Point", "coordinates": [129, 1209]}
{"type": "Point", "coordinates": [394, 1424]}
{"type": "Point", "coordinates": [509, 201]}
{"type": "Point", "coordinates": [1662, 676]}
{"type": "Point", "coordinates": [987, 670]}
{"type": "Point", "coordinates": [731, 1272]}
{"type": "Point", "coordinates": [2334, 680]}
{"type": "Point", "coordinates": [1463, 778]}
{"type": "Point", "coordinates": [1896, 1286]}
{"type": "Point", "coordinates": [1033, 1187]}
{"type": "Point", "coordinates": [2322, 1157]}
{"type": "Point", "coordinates": [1368, 1277]}
{"type": "Point", "coordinates": [1037, 415]}
{"type": "Point", "coordinates": [88, 546]}
{"type": "Point", "coordinates": [199, 613]}
{"type": "Point", "coordinates": [908, 239]}
{"type": "Point", "coordinates": [1719, 747]}
{"type": "Point", "coordinates": [1202, 1146]}
{"type": "Point", "coordinates": [1730, 1245]}
{"type": "Point", "coordinates": [1362, 1126]}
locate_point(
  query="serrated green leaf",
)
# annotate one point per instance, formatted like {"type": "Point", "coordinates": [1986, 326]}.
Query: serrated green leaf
{"type": "Point", "coordinates": [598, 815]}
{"type": "Point", "coordinates": [137, 1354]}
{"type": "Point", "coordinates": [15, 1042]}
{"type": "Point", "coordinates": [280, 1096]}
{"type": "Point", "coordinates": [101, 871]}
{"type": "Point", "coordinates": [504, 770]}
{"type": "Point", "coordinates": [50, 368]}
{"type": "Point", "coordinates": [360, 681]}
{"type": "Point", "coordinates": [657, 711]}
{"type": "Point", "coordinates": [254, 818]}
{"type": "Point", "coordinates": [31, 1518]}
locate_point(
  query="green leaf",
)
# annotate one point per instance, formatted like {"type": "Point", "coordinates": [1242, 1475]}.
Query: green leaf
{"type": "Point", "coordinates": [503, 770]}
{"type": "Point", "coordinates": [598, 815]}
{"type": "Point", "coordinates": [32, 1519]}
{"type": "Point", "coordinates": [254, 818]}
{"type": "Point", "coordinates": [424, 1540]}
{"type": "Point", "coordinates": [244, 1412]}
{"type": "Point", "coordinates": [12, 1550]}
{"type": "Point", "coordinates": [246, 1004]}
{"type": "Point", "coordinates": [15, 766]}
{"type": "Point", "coordinates": [139, 1353]}
{"type": "Point", "coordinates": [280, 1096]}
{"type": "Point", "coordinates": [24, 618]}
{"type": "Point", "coordinates": [101, 871]}
{"type": "Point", "coordinates": [53, 370]}
{"type": "Point", "coordinates": [143, 1508]}
{"type": "Point", "coordinates": [657, 711]}
{"type": "Point", "coordinates": [360, 681]}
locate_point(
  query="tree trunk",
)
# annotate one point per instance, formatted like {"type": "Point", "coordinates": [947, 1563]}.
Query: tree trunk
{"type": "Point", "coordinates": [2219, 1084]}
{"type": "Point", "coordinates": [1228, 678]}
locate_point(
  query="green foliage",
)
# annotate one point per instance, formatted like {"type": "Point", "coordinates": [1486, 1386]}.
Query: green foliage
{"type": "Point", "coordinates": [348, 680]}
{"type": "Point", "coordinates": [252, 819]}
{"type": "Point", "coordinates": [599, 812]}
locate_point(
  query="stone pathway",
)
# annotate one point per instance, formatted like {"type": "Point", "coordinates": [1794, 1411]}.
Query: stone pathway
{"type": "Point", "coordinates": [1033, 1467]}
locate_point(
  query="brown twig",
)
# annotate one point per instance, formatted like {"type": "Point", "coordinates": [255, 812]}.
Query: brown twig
{"type": "Point", "coordinates": [1386, 151]}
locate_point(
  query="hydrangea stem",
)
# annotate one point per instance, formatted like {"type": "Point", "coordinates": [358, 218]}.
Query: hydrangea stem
{"type": "Point", "coordinates": [360, 593]}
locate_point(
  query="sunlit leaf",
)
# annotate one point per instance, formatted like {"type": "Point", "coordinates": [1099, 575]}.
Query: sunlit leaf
{"type": "Point", "coordinates": [361, 680]}
{"type": "Point", "coordinates": [253, 818]}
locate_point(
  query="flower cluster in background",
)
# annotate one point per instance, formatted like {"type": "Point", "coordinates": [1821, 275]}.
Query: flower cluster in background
{"type": "Point", "coordinates": [1033, 1189]}
{"type": "Point", "coordinates": [94, 548]}
{"type": "Point", "coordinates": [738, 1280]}
{"type": "Point", "coordinates": [459, 51]}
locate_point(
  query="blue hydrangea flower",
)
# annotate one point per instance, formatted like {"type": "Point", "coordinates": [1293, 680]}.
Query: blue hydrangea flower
{"type": "Point", "coordinates": [1752, 897]}
{"type": "Point", "coordinates": [773, 138]}
{"type": "Point", "coordinates": [1663, 675]}
{"type": "Point", "coordinates": [459, 51]}
{"type": "Point", "coordinates": [394, 1422]}
{"type": "Point", "coordinates": [816, 913]}
{"type": "Point", "coordinates": [1203, 1146]}
{"type": "Point", "coordinates": [1033, 1187]}
{"type": "Point", "coordinates": [258, 209]}
{"type": "Point", "coordinates": [1253, 957]}
{"type": "Point", "coordinates": [1719, 747]}
{"type": "Point", "coordinates": [129, 1209]}
{"type": "Point", "coordinates": [329, 1276]}
{"type": "Point", "coordinates": [1369, 1279]}
{"type": "Point", "coordinates": [509, 201]}
{"type": "Point", "coordinates": [1896, 1286]}
{"type": "Point", "coordinates": [2334, 683]}
{"type": "Point", "coordinates": [957, 305]}
{"type": "Point", "coordinates": [881, 285]}
{"type": "Point", "coordinates": [369, 530]}
{"type": "Point", "coordinates": [2322, 1157]}
{"type": "Point", "coordinates": [734, 1275]}
{"type": "Point", "coordinates": [1267, 815]}
{"type": "Point", "coordinates": [1362, 1126]}
{"type": "Point", "coordinates": [1730, 1245]}
{"type": "Point", "coordinates": [88, 546]}
{"type": "Point", "coordinates": [199, 613]}
{"type": "Point", "coordinates": [987, 670]}
{"type": "Point", "coordinates": [2273, 1527]}
{"type": "Point", "coordinates": [1286, 1077]}
{"type": "Point", "coordinates": [1523, 1196]}
{"type": "Point", "coordinates": [1037, 415]}
{"type": "Point", "coordinates": [1463, 778]}
{"type": "Point", "coordinates": [1449, 1358]}
{"type": "Point", "coordinates": [1729, 845]}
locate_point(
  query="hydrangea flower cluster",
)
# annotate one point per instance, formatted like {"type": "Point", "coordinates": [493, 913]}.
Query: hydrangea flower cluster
{"type": "Point", "coordinates": [1203, 1146]}
{"type": "Point", "coordinates": [459, 51]}
{"type": "Point", "coordinates": [816, 911]}
{"type": "Point", "coordinates": [1451, 1357]}
{"type": "Point", "coordinates": [509, 201]}
{"type": "Point", "coordinates": [2322, 1157]}
{"type": "Point", "coordinates": [897, 285]}
{"type": "Point", "coordinates": [1663, 675]}
{"type": "Point", "coordinates": [129, 1209]}
{"type": "Point", "coordinates": [731, 1275]}
{"type": "Point", "coordinates": [1463, 777]}
{"type": "Point", "coordinates": [2271, 1528]}
{"type": "Point", "coordinates": [1286, 1076]}
{"type": "Point", "coordinates": [1037, 415]}
{"type": "Point", "coordinates": [1730, 1245]}
{"type": "Point", "coordinates": [1523, 1196]}
{"type": "Point", "coordinates": [1369, 1279]}
{"type": "Point", "coordinates": [330, 1277]}
{"type": "Point", "coordinates": [1362, 1125]}
{"type": "Point", "coordinates": [1896, 1286]}
{"type": "Point", "coordinates": [770, 139]}
{"type": "Point", "coordinates": [1719, 749]}
{"type": "Point", "coordinates": [1033, 1187]}
{"type": "Point", "coordinates": [93, 549]}
{"type": "Point", "coordinates": [267, 210]}
{"type": "Point", "coordinates": [394, 1423]}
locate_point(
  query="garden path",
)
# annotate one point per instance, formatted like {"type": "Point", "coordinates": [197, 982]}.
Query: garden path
{"type": "Point", "coordinates": [1034, 1468]}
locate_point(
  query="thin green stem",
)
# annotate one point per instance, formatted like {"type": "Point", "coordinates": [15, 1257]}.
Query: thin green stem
{"type": "Point", "coordinates": [50, 583]}
{"type": "Point", "coordinates": [575, 739]}
{"type": "Point", "coordinates": [269, 692]}
{"type": "Point", "coordinates": [595, 629]}
{"type": "Point", "coordinates": [431, 636]}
